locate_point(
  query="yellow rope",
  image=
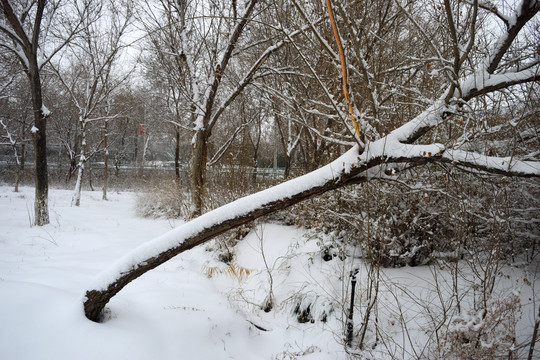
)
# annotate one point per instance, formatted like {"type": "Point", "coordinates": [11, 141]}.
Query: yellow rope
{"type": "Point", "coordinates": [343, 69]}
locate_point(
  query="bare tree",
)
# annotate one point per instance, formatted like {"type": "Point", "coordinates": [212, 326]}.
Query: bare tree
{"type": "Point", "coordinates": [15, 118]}
{"type": "Point", "coordinates": [26, 28]}
{"type": "Point", "coordinates": [204, 44]}
{"type": "Point", "coordinates": [91, 80]}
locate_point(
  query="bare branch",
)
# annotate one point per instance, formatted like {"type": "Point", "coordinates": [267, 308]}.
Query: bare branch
{"type": "Point", "coordinates": [526, 12]}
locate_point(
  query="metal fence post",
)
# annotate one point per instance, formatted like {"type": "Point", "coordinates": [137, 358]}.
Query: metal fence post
{"type": "Point", "coordinates": [351, 309]}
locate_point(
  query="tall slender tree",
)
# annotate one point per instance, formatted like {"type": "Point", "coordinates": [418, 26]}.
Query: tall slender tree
{"type": "Point", "coordinates": [26, 27]}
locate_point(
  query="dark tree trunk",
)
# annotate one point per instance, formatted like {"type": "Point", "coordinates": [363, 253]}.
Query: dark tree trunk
{"type": "Point", "coordinates": [198, 173]}
{"type": "Point", "coordinates": [73, 159]}
{"type": "Point", "coordinates": [20, 168]}
{"type": "Point", "coordinates": [23, 155]}
{"type": "Point", "coordinates": [287, 166]}
{"type": "Point", "coordinates": [177, 156]}
{"type": "Point", "coordinates": [39, 136]}
{"type": "Point", "coordinates": [255, 167]}
{"type": "Point", "coordinates": [90, 176]}
{"type": "Point", "coordinates": [255, 144]}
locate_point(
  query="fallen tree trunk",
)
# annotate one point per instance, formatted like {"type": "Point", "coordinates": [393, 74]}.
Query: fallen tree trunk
{"type": "Point", "coordinates": [204, 228]}
{"type": "Point", "coordinates": [355, 166]}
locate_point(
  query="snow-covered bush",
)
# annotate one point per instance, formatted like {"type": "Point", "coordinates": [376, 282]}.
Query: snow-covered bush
{"type": "Point", "coordinates": [393, 229]}
{"type": "Point", "coordinates": [397, 224]}
{"type": "Point", "coordinates": [484, 333]}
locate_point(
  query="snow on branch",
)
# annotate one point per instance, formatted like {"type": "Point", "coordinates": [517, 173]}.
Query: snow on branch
{"type": "Point", "coordinates": [525, 12]}
{"type": "Point", "coordinates": [11, 34]}
{"type": "Point", "coordinates": [423, 122]}
{"type": "Point", "coordinates": [483, 82]}
{"type": "Point", "coordinates": [491, 164]}
{"type": "Point", "coordinates": [492, 8]}
{"type": "Point", "coordinates": [10, 138]}
{"type": "Point", "coordinates": [15, 46]}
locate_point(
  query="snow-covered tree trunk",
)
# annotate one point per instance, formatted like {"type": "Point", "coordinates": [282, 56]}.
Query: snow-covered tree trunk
{"type": "Point", "coordinates": [350, 168]}
{"type": "Point", "coordinates": [76, 199]}
{"type": "Point", "coordinates": [380, 157]}
{"type": "Point", "coordinates": [39, 137]}
{"type": "Point", "coordinates": [105, 159]}
{"type": "Point", "coordinates": [204, 228]}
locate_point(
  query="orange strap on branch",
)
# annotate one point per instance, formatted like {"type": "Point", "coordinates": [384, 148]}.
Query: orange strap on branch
{"type": "Point", "coordinates": [343, 68]}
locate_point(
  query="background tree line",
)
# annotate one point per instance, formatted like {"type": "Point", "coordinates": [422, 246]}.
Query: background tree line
{"type": "Point", "coordinates": [230, 88]}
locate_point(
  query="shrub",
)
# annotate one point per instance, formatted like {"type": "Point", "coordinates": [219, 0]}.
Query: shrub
{"type": "Point", "coordinates": [485, 333]}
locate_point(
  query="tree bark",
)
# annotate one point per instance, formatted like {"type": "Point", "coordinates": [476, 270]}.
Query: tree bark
{"type": "Point", "coordinates": [198, 173]}
{"type": "Point", "coordinates": [105, 159]}
{"type": "Point", "coordinates": [39, 136]}
{"type": "Point", "coordinates": [177, 156]}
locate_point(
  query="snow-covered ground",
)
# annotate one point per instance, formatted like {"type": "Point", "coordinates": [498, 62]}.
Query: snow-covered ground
{"type": "Point", "coordinates": [194, 307]}
{"type": "Point", "coordinates": [174, 312]}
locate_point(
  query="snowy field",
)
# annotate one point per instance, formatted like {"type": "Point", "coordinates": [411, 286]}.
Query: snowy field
{"type": "Point", "coordinates": [174, 312]}
{"type": "Point", "coordinates": [192, 307]}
